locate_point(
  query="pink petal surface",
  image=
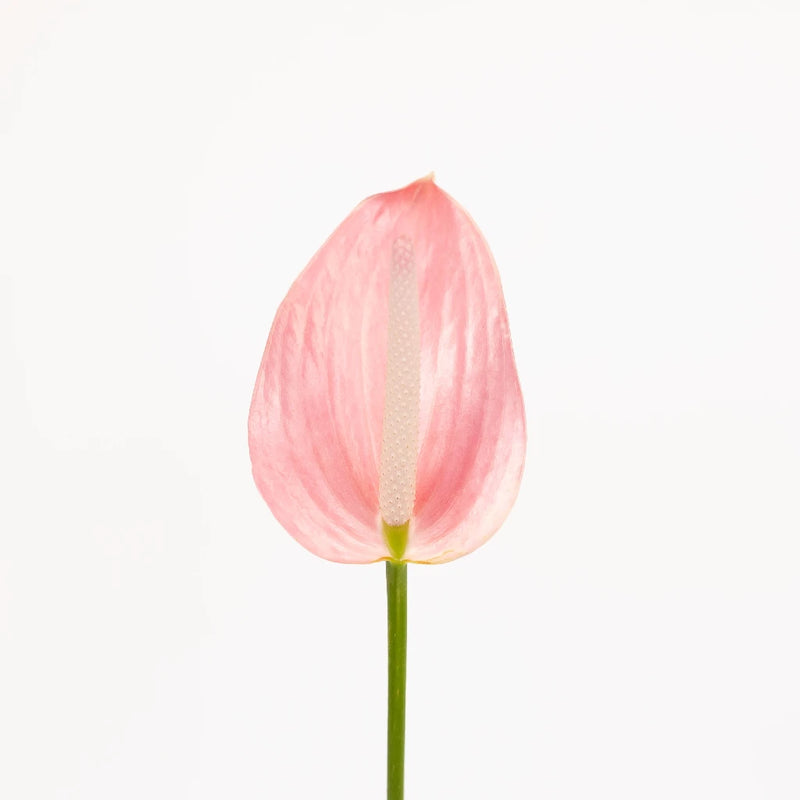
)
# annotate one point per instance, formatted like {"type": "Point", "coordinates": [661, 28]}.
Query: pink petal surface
{"type": "Point", "coordinates": [316, 417]}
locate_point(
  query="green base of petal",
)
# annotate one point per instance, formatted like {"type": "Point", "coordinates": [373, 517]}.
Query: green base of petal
{"type": "Point", "coordinates": [396, 537]}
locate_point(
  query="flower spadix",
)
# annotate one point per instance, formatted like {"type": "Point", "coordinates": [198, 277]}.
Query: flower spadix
{"type": "Point", "coordinates": [387, 419]}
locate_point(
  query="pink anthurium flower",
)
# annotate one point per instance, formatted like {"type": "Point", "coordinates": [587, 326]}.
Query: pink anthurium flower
{"type": "Point", "coordinates": [387, 421]}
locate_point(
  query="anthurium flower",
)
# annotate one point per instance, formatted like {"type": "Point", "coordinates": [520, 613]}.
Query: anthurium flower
{"type": "Point", "coordinates": [387, 420]}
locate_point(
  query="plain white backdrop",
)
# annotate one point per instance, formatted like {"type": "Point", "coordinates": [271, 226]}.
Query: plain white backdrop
{"type": "Point", "coordinates": [167, 169]}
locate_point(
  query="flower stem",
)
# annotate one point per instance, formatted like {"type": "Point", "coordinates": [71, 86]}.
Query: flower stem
{"type": "Point", "coordinates": [397, 597]}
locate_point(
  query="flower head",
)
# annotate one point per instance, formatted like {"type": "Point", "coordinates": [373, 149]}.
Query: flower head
{"type": "Point", "coordinates": [387, 419]}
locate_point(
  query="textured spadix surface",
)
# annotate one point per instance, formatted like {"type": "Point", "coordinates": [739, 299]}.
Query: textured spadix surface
{"type": "Point", "coordinates": [388, 389]}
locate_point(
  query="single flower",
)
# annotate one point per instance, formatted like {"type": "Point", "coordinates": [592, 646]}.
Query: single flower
{"type": "Point", "coordinates": [387, 420]}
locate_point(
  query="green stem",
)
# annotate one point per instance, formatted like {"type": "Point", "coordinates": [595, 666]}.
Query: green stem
{"type": "Point", "coordinates": [397, 600]}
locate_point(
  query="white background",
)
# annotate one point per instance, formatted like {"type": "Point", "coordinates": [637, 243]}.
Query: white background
{"type": "Point", "coordinates": [166, 170]}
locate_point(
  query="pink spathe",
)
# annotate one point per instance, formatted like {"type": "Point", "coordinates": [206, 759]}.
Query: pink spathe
{"type": "Point", "coordinates": [321, 401]}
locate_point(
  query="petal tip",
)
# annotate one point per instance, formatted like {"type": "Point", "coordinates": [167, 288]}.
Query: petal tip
{"type": "Point", "coordinates": [429, 179]}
